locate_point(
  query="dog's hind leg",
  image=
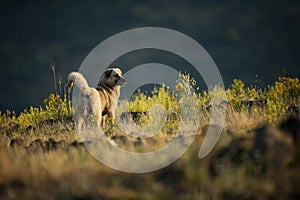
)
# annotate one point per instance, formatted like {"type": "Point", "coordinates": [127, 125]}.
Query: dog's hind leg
{"type": "Point", "coordinates": [79, 123]}
{"type": "Point", "coordinates": [98, 119]}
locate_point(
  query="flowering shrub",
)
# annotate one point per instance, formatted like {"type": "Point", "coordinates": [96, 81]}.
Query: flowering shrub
{"type": "Point", "coordinates": [280, 96]}
{"type": "Point", "coordinates": [272, 103]}
{"type": "Point", "coordinates": [237, 93]}
{"type": "Point", "coordinates": [55, 108]}
{"type": "Point", "coordinates": [32, 116]}
{"type": "Point", "coordinates": [7, 117]}
{"type": "Point", "coordinates": [58, 108]}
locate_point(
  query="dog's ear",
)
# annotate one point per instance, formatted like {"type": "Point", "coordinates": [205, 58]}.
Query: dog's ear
{"type": "Point", "coordinates": [108, 72]}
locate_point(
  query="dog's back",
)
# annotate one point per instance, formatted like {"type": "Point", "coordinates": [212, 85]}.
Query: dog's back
{"type": "Point", "coordinates": [88, 108]}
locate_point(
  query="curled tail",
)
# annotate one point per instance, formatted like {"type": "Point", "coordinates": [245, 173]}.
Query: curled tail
{"type": "Point", "coordinates": [80, 82]}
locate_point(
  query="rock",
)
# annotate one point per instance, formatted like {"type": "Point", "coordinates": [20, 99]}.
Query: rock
{"type": "Point", "coordinates": [29, 128]}
{"type": "Point", "coordinates": [135, 116]}
{"type": "Point", "coordinates": [35, 145]}
{"type": "Point", "coordinates": [272, 148]}
{"type": "Point", "coordinates": [138, 142]}
{"type": "Point", "coordinates": [292, 110]}
{"type": "Point", "coordinates": [77, 144]}
{"type": "Point", "coordinates": [267, 149]}
{"type": "Point", "coordinates": [9, 129]}
{"type": "Point", "coordinates": [172, 116]}
{"type": "Point", "coordinates": [62, 144]}
{"type": "Point", "coordinates": [235, 153]}
{"type": "Point", "coordinates": [9, 133]}
{"type": "Point", "coordinates": [249, 104]}
{"type": "Point", "coordinates": [291, 126]}
{"type": "Point", "coordinates": [50, 122]}
{"type": "Point", "coordinates": [121, 140]}
{"type": "Point", "coordinates": [13, 126]}
{"type": "Point", "coordinates": [17, 142]}
{"type": "Point", "coordinates": [51, 144]}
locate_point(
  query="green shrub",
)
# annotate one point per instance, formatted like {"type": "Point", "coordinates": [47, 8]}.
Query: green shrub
{"type": "Point", "coordinates": [280, 96]}
{"type": "Point", "coordinates": [56, 108]}
{"type": "Point", "coordinates": [7, 117]}
{"type": "Point", "coordinates": [272, 103]}
{"type": "Point", "coordinates": [237, 93]}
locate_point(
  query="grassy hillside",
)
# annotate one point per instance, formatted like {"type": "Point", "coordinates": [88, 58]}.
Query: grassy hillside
{"type": "Point", "coordinates": [256, 157]}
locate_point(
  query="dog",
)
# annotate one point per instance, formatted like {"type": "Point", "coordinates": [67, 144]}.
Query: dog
{"type": "Point", "coordinates": [88, 110]}
{"type": "Point", "coordinates": [108, 88]}
{"type": "Point", "coordinates": [95, 104]}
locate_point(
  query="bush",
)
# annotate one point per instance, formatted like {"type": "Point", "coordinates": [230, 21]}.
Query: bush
{"type": "Point", "coordinates": [56, 109]}
{"type": "Point", "coordinates": [272, 103]}
{"type": "Point", "coordinates": [280, 96]}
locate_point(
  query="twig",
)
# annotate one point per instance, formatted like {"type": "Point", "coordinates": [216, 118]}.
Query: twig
{"type": "Point", "coordinates": [59, 84]}
{"type": "Point", "coordinates": [52, 67]}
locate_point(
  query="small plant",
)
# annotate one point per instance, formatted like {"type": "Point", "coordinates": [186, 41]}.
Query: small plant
{"type": "Point", "coordinates": [280, 96]}
{"type": "Point", "coordinates": [237, 94]}
{"type": "Point", "coordinates": [7, 117]}
{"type": "Point", "coordinates": [32, 116]}
{"type": "Point", "coordinates": [56, 109]}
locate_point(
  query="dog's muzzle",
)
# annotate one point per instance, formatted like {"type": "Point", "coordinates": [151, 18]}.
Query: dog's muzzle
{"type": "Point", "coordinates": [121, 81]}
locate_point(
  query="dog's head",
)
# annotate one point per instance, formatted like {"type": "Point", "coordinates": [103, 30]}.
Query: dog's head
{"type": "Point", "coordinates": [113, 77]}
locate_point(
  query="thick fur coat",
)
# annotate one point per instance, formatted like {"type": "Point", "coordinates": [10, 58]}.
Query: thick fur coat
{"type": "Point", "coordinates": [88, 109]}
{"type": "Point", "coordinates": [109, 90]}
{"type": "Point", "coordinates": [93, 103]}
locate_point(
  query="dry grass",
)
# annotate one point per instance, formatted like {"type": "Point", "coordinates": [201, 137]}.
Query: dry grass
{"type": "Point", "coordinates": [256, 157]}
{"type": "Point", "coordinates": [243, 121]}
{"type": "Point", "coordinates": [65, 170]}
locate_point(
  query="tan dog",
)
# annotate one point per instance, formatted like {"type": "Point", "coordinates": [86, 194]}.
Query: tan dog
{"type": "Point", "coordinates": [93, 104]}
{"type": "Point", "coordinates": [109, 90]}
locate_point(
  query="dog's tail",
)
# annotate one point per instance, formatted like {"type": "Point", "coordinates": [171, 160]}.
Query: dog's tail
{"type": "Point", "coordinates": [80, 82]}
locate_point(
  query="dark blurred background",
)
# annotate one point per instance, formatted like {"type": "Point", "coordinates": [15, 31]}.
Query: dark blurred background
{"type": "Point", "coordinates": [251, 40]}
